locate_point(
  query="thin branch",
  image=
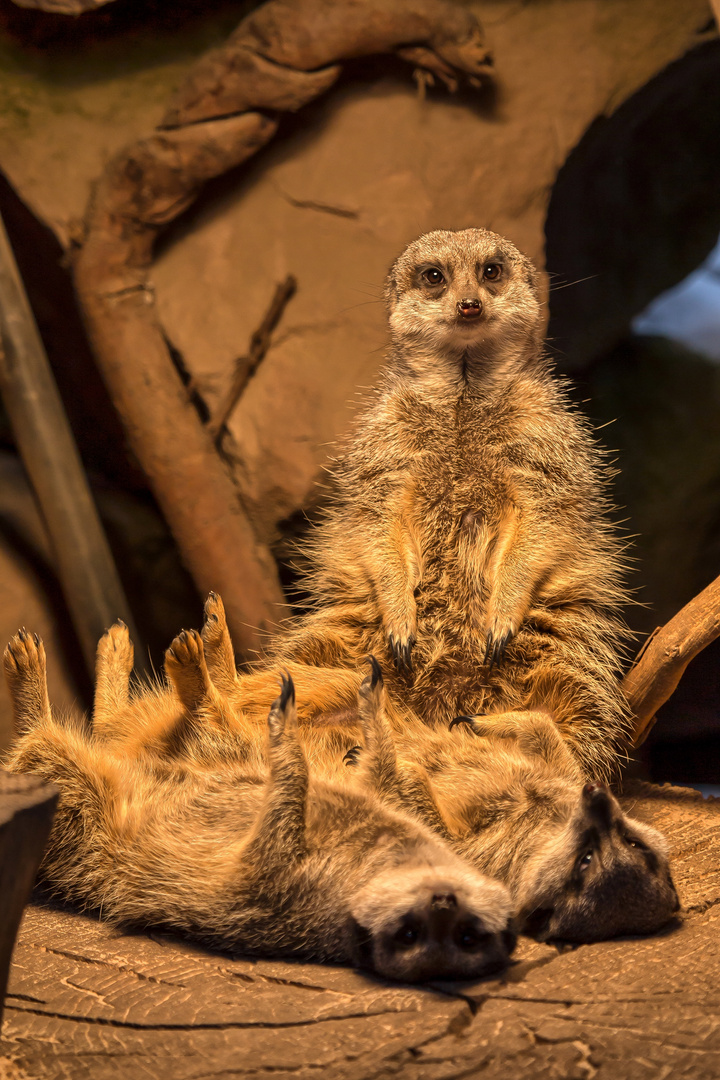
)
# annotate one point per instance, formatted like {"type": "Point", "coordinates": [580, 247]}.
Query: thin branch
{"type": "Point", "coordinates": [664, 657]}
{"type": "Point", "coordinates": [246, 366]}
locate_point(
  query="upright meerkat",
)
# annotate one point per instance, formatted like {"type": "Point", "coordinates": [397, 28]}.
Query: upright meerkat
{"type": "Point", "coordinates": [469, 537]}
{"type": "Point", "coordinates": [280, 866]}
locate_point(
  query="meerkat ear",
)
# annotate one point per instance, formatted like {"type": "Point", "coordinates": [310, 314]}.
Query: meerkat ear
{"type": "Point", "coordinates": [391, 289]}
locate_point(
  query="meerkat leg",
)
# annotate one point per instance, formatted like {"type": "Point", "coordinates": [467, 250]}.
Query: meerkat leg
{"type": "Point", "coordinates": [404, 784]}
{"type": "Point", "coordinates": [396, 572]}
{"type": "Point", "coordinates": [279, 832]}
{"type": "Point", "coordinates": [219, 653]}
{"type": "Point", "coordinates": [512, 578]}
{"type": "Point", "coordinates": [186, 669]}
{"type": "Point", "coordinates": [535, 733]}
{"type": "Point", "coordinates": [25, 671]}
{"type": "Point", "coordinates": [113, 665]}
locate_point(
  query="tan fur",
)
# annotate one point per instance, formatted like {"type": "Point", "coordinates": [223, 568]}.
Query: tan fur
{"type": "Point", "coordinates": [277, 864]}
{"type": "Point", "coordinates": [505, 792]}
{"type": "Point", "coordinates": [468, 539]}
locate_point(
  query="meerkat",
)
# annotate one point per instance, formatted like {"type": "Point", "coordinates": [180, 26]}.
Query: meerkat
{"type": "Point", "coordinates": [577, 867]}
{"type": "Point", "coordinates": [468, 538]}
{"type": "Point", "coordinates": [510, 797]}
{"type": "Point", "coordinates": [283, 865]}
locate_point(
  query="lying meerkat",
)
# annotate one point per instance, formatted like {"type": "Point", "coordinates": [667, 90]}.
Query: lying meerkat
{"type": "Point", "coordinates": [514, 802]}
{"type": "Point", "coordinates": [468, 538]}
{"type": "Point", "coordinates": [278, 866]}
{"type": "Point", "coordinates": [510, 797]}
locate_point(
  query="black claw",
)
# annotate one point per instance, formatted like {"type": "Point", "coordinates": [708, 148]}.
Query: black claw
{"type": "Point", "coordinates": [36, 639]}
{"type": "Point", "coordinates": [351, 758]}
{"type": "Point", "coordinates": [287, 691]}
{"type": "Point", "coordinates": [376, 675]}
{"type": "Point", "coordinates": [496, 647]}
{"type": "Point", "coordinates": [457, 720]}
{"type": "Point", "coordinates": [402, 653]}
{"type": "Point", "coordinates": [121, 623]}
{"type": "Point", "coordinates": [212, 595]}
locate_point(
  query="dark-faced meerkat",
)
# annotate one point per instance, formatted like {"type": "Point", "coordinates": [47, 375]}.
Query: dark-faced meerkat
{"type": "Point", "coordinates": [468, 538]}
{"type": "Point", "coordinates": [510, 797]}
{"type": "Point", "coordinates": [578, 868]}
{"type": "Point", "coordinates": [280, 866]}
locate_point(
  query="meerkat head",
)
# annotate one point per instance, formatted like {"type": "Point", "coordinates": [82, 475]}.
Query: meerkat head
{"type": "Point", "coordinates": [429, 922]}
{"type": "Point", "coordinates": [601, 875]}
{"type": "Point", "coordinates": [455, 295]}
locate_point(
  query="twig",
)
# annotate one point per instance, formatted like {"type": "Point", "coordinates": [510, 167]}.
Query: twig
{"type": "Point", "coordinates": [246, 366]}
{"type": "Point", "coordinates": [665, 655]}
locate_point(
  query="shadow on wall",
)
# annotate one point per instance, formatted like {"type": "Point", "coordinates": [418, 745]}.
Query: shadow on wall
{"type": "Point", "coordinates": [636, 208]}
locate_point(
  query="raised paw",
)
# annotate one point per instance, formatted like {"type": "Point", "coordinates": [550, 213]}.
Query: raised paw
{"type": "Point", "coordinates": [496, 643]}
{"type": "Point", "coordinates": [24, 656]}
{"type": "Point", "coordinates": [186, 669]}
{"type": "Point", "coordinates": [219, 654]}
{"type": "Point", "coordinates": [24, 662]}
{"type": "Point", "coordinates": [401, 649]}
{"type": "Point", "coordinates": [116, 648]}
{"type": "Point", "coordinates": [282, 713]}
{"type": "Point", "coordinates": [353, 755]}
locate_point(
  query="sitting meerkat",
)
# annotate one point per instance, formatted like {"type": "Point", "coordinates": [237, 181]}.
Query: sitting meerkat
{"type": "Point", "coordinates": [508, 796]}
{"type": "Point", "coordinates": [278, 866]}
{"type": "Point", "coordinates": [468, 538]}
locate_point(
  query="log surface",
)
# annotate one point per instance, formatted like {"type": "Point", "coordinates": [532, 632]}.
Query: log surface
{"type": "Point", "coordinates": [88, 1001]}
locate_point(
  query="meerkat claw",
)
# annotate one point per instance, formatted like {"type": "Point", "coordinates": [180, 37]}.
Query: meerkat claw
{"type": "Point", "coordinates": [470, 721]}
{"type": "Point", "coordinates": [402, 653]}
{"type": "Point", "coordinates": [352, 756]}
{"type": "Point", "coordinates": [287, 691]}
{"type": "Point", "coordinates": [376, 675]}
{"type": "Point", "coordinates": [495, 649]}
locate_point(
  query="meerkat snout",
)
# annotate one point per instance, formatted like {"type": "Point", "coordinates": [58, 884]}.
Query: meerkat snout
{"type": "Point", "coordinates": [469, 308]}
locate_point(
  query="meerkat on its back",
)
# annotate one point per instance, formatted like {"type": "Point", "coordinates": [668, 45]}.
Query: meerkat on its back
{"type": "Point", "coordinates": [278, 865]}
{"type": "Point", "coordinates": [468, 537]}
{"type": "Point", "coordinates": [514, 803]}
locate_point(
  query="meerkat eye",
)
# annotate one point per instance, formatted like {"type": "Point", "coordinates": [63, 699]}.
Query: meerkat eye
{"type": "Point", "coordinates": [406, 936]}
{"type": "Point", "coordinates": [632, 841]}
{"type": "Point", "coordinates": [433, 276]}
{"type": "Point", "coordinates": [468, 937]}
{"type": "Point", "coordinates": [492, 271]}
{"type": "Point", "coordinates": [585, 860]}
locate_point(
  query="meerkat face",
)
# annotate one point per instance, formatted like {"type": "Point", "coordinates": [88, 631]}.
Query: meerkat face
{"type": "Point", "coordinates": [463, 292]}
{"type": "Point", "coordinates": [604, 874]}
{"type": "Point", "coordinates": [432, 922]}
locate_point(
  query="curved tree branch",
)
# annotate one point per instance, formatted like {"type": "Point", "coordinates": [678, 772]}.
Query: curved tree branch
{"type": "Point", "coordinates": [661, 662]}
{"type": "Point", "coordinates": [281, 57]}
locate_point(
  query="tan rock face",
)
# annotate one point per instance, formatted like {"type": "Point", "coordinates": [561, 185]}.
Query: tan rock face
{"type": "Point", "coordinates": [354, 178]}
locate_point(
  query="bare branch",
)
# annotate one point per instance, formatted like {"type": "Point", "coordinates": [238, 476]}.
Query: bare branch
{"type": "Point", "coordinates": [246, 366]}
{"type": "Point", "coordinates": [663, 658]}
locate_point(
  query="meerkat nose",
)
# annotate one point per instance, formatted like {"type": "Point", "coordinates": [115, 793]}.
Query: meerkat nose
{"type": "Point", "coordinates": [444, 900]}
{"type": "Point", "coordinates": [469, 308]}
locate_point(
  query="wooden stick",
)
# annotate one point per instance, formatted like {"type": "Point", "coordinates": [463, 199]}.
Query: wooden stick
{"type": "Point", "coordinates": [663, 658]}
{"type": "Point", "coordinates": [85, 565]}
{"type": "Point", "coordinates": [27, 805]}
{"type": "Point", "coordinates": [282, 56]}
{"type": "Point", "coordinates": [246, 366]}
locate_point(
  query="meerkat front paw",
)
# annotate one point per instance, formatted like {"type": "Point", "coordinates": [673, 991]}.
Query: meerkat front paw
{"type": "Point", "coordinates": [497, 640]}
{"type": "Point", "coordinates": [400, 643]}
